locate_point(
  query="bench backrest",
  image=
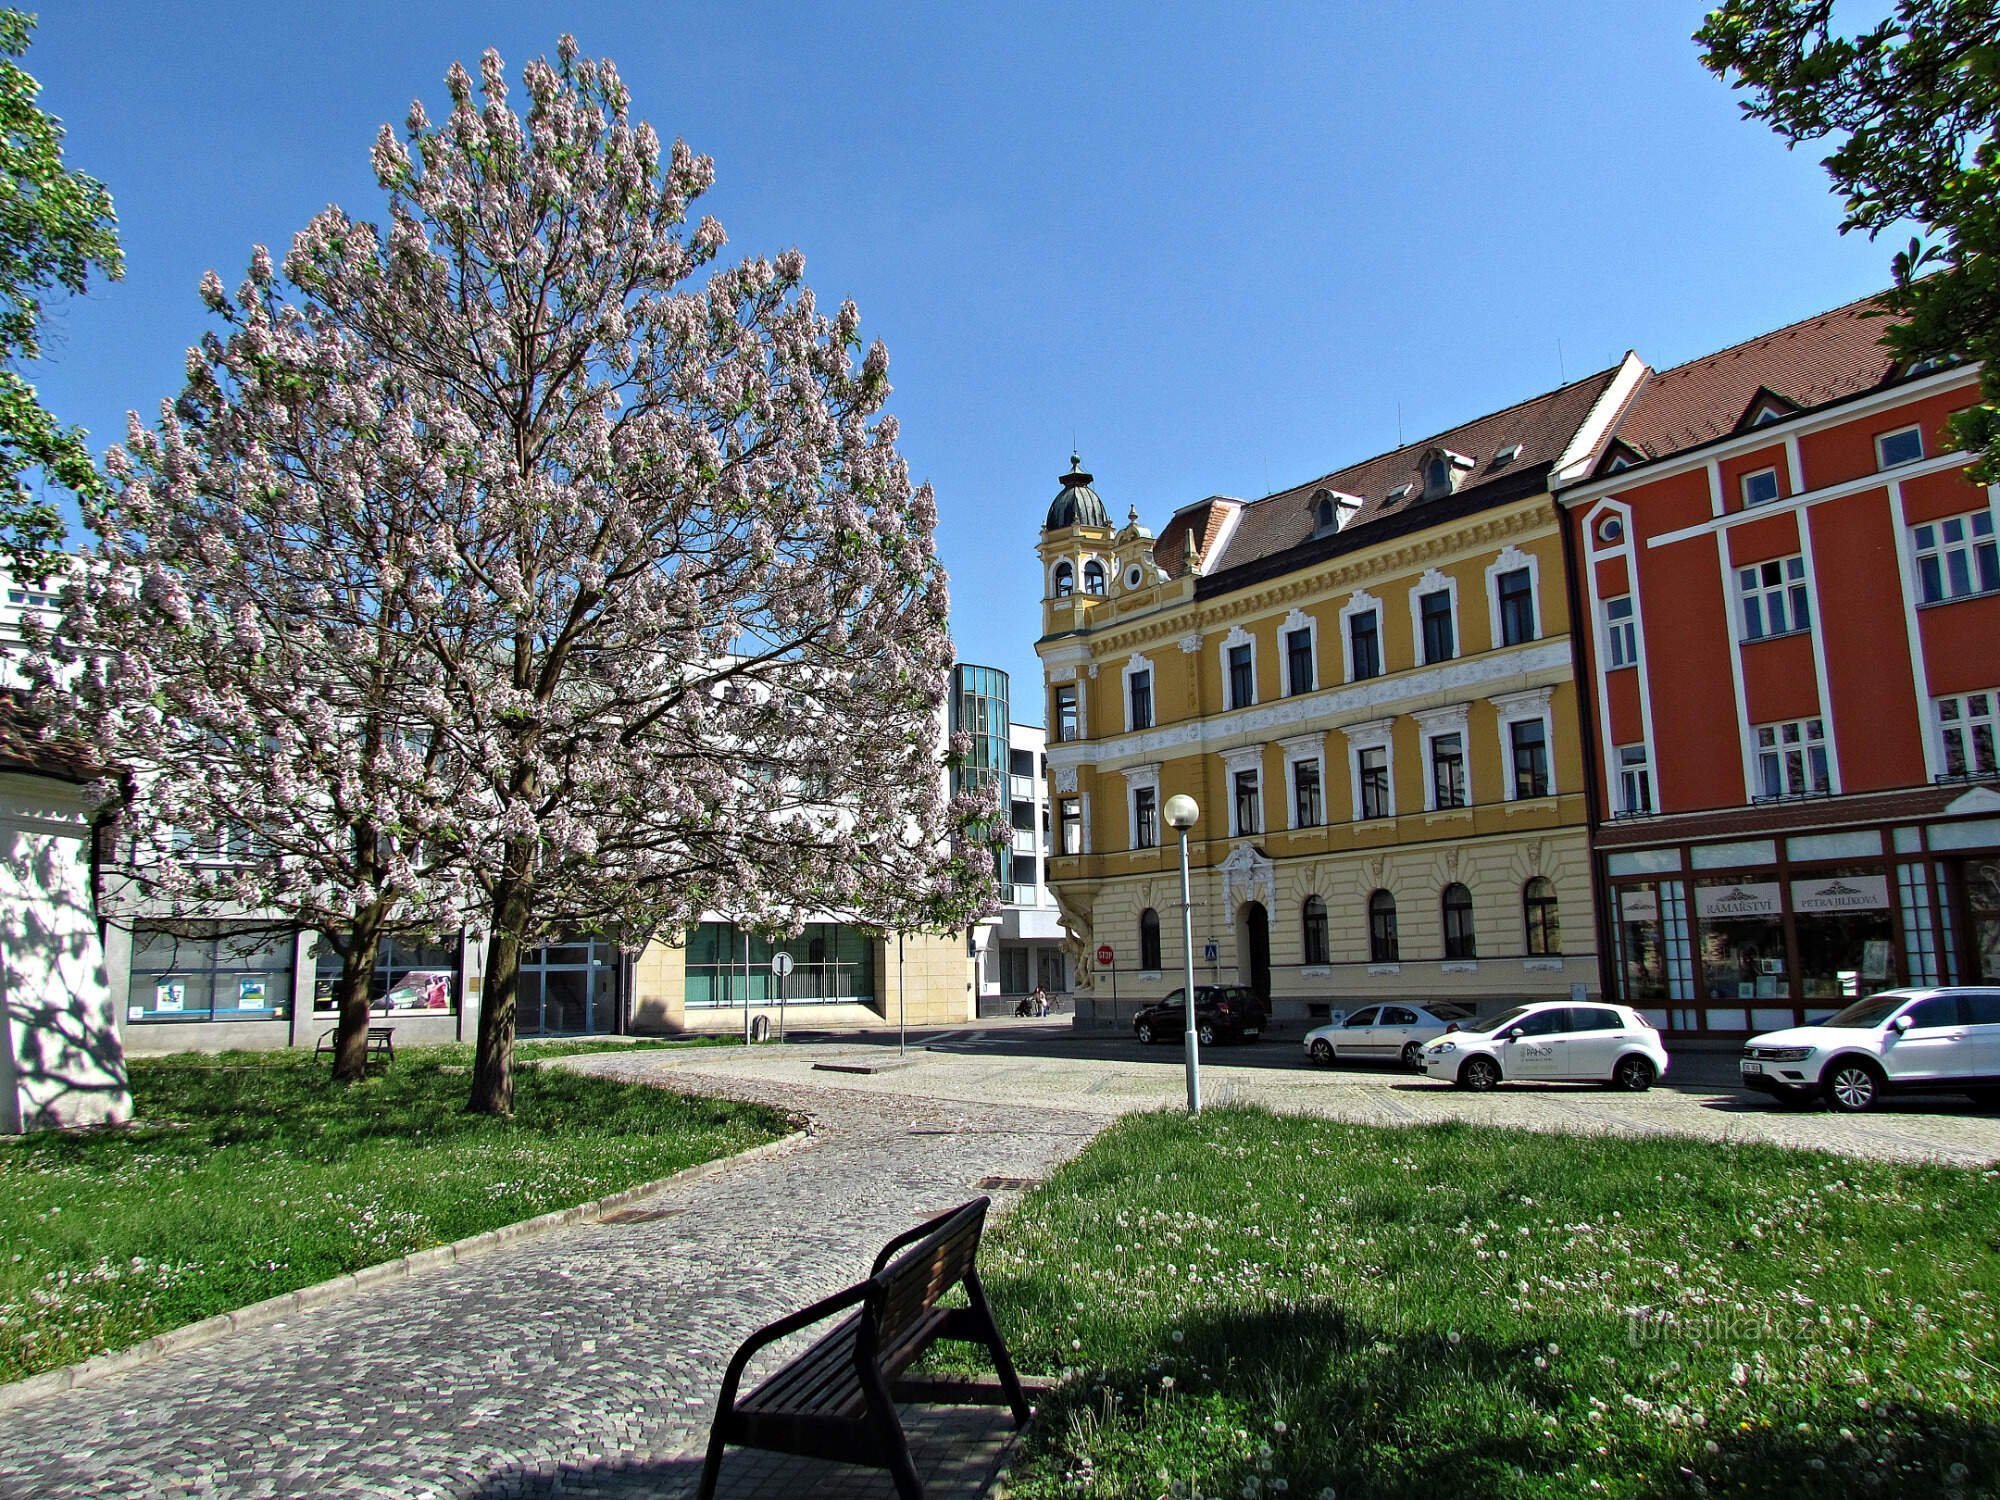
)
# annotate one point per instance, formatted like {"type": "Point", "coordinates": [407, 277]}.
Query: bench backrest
{"type": "Point", "coordinates": [904, 1293]}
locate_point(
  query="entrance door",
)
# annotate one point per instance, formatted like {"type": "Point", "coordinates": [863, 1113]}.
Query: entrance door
{"type": "Point", "coordinates": [1253, 948]}
{"type": "Point", "coordinates": [569, 988]}
{"type": "Point", "coordinates": [1981, 883]}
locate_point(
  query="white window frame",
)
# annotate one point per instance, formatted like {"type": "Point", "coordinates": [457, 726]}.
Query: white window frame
{"type": "Point", "coordinates": [1138, 778]}
{"type": "Point", "coordinates": [1074, 684]}
{"type": "Point", "coordinates": [1248, 758]}
{"type": "Point", "coordinates": [1237, 636]}
{"type": "Point", "coordinates": [1534, 705]}
{"type": "Point", "coordinates": [1132, 669]}
{"type": "Point", "coordinates": [1964, 725]}
{"type": "Point", "coordinates": [1433, 723]}
{"type": "Point", "coordinates": [1794, 584]}
{"type": "Point", "coordinates": [1376, 734]}
{"type": "Point", "coordinates": [1971, 543]}
{"type": "Point", "coordinates": [1434, 582]}
{"type": "Point", "coordinates": [1779, 751]}
{"type": "Point", "coordinates": [1882, 460]}
{"type": "Point", "coordinates": [1620, 645]}
{"type": "Point", "coordinates": [1057, 569]}
{"type": "Point", "coordinates": [1299, 750]}
{"type": "Point", "coordinates": [1511, 559]}
{"type": "Point", "coordinates": [1777, 488]}
{"type": "Point", "coordinates": [1297, 620]}
{"type": "Point", "coordinates": [1360, 602]}
{"type": "Point", "coordinates": [1638, 767]}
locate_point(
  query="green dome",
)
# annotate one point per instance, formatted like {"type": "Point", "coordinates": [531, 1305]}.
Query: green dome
{"type": "Point", "coordinates": [1078, 504]}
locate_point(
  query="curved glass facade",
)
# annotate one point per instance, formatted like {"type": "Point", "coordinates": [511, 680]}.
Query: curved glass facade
{"type": "Point", "coordinates": [980, 708]}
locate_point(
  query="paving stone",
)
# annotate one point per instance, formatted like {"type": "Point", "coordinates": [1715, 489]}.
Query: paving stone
{"type": "Point", "coordinates": [581, 1362]}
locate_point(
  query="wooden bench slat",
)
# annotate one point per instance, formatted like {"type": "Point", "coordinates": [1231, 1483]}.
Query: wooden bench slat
{"type": "Point", "coordinates": [834, 1398]}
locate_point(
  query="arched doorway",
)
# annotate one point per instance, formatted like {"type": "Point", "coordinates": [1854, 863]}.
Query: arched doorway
{"type": "Point", "coordinates": [1253, 949]}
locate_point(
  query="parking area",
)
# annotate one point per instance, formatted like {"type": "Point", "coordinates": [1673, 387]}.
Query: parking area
{"type": "Point", "coordinates": [1049, 1065]}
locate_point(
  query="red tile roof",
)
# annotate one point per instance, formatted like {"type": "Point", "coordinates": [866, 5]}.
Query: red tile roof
{"type": "Point", "coordinates": [1543, 425]}
{"type": "Point", "coordinates": [1203, 521]}
{"type": "Point", "coordinates": [23, 748]}
{"type": "Point", "coordinates": [1809, 363]}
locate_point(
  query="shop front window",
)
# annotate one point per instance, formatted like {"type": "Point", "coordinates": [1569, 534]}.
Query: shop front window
{"type": "Point", "coordinates": [411, 974]}
{"type": "Point", "coordinates": [1742, 939]}
{"type": "Point", "coordinates": [833, 963]}
{"type": "Point", "coordinates": [215, 973]}
{"type": "Point", "coordinates": [1845, 931]}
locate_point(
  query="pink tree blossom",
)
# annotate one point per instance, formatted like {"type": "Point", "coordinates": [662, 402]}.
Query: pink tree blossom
{"type": "Point", "coordinates": [646, 606]}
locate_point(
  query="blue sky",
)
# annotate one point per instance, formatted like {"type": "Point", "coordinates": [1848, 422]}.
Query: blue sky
{"type": "Point", "coordinates": [1228, 248]}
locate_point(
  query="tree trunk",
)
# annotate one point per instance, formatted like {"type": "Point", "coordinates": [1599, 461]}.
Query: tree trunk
{"type": "Point", "coordinates": [493, 1067]}
{"type": "Point", "coordinates": [357, 974]}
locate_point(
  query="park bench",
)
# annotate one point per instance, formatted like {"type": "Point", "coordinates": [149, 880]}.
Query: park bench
{"type": "Point", "coordinates": [381, 1043]}
{"type": "Point", "coordinates": [837, 1399]}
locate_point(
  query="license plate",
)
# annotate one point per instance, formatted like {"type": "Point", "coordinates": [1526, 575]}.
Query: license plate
{"type": "Point", "coordinates": [1250, 1031]}
{"type": "Point", "coordinates": [1753, 1067]}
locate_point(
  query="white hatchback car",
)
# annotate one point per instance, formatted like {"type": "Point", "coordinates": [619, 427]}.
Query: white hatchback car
{"type": "Point", "coordinates": [1555, 1042]}
{"type": "Point", "coordinates": [1379, 1033]}
{"type": "Point", "coordinates": [1933, 1040]}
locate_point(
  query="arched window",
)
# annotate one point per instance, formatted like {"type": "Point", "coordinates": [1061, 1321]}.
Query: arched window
{"type": "Point", "coordinates": [1538, 908]}
{"type": "Point", "coordinates": [1437, 477]}
{"type": "Point", "coordinates": [1065, 580]}
{"type": "Point", "coordinates": [1312, 923]}
{"type": "Point", "coordinates": [1458, 922]}
{"type": "Point", "coordinates": [1323, 516]}
{"type": "Point", "coordinates": [1382, 945]}
{"type": "Point", "coordinates": [1093, 577]}
{"type": "Point", "coordinates": [1149, 940]}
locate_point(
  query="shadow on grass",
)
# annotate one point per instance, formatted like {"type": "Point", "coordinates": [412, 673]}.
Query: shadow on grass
{"type": "Point", "coordinates": [1304, 1393]}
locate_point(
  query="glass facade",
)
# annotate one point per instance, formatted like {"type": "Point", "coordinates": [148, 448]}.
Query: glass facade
{"type": "Point", "coordinates": [569, 988]}
{"type": "Point", "coordinates": [215, 974]}
{"type": "Point", "coordinates": [411, 974]}
{"type": "Point", "coordinates": [981, 710]}
{"type": "Point", "coordinates": [833, 963]}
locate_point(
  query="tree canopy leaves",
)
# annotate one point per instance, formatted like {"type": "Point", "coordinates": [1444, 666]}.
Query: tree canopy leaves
{"type": "Point", "coordinates": [1912, 107]}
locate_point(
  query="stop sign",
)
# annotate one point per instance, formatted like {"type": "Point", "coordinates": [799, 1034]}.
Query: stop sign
{"type": "Point", "coordinates": [1104, 955]}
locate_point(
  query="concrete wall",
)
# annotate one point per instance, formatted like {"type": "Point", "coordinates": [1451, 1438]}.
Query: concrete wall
{"type": "Point", "coordinates": [61, 1062]}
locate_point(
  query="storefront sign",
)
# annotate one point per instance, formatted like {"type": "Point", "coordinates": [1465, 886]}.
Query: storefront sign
{"type": "Point", "coordinates": [1639, 904]}
{"type": "Point", "coordinates": [1842, 893]}
{"type": "Point", "coordinates": [1722, 903]}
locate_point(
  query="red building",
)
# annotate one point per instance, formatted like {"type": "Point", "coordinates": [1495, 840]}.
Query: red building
{"type": "Point", "coordinates": [1788, 607]}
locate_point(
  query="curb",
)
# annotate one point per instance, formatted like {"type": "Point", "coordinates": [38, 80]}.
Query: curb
{"type": "Point", "coordinates": [271, 1309]}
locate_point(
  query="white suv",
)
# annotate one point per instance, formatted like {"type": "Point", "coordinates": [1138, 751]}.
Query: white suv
{"type": "Point", "coordinates": [1611, 1044]}
{"type": "Point", "coordinates": [1900, 1041]}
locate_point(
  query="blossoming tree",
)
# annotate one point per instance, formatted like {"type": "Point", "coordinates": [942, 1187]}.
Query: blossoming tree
{"type": "Point", "coordinates": [658, 609]}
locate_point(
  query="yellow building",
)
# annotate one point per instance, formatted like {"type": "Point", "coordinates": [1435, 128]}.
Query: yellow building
{"type": "Point", "coordinates": [1366, 683]}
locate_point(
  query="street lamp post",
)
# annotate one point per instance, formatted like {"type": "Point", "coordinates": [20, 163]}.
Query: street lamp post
{"type": "Point", "coordinates": [1182, 814]}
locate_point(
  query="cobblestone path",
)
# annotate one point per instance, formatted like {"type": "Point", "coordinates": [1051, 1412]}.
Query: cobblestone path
{"type": "Point", "coordinates": [583, 1362]}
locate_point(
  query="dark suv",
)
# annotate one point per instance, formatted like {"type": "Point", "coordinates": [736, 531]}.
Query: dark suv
{"type": "Point", "coordinates": [1222, 1012]}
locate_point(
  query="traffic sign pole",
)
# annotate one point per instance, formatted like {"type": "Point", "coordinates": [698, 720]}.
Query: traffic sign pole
{"type": "Point", "coordinates": [781, 966]}
{"type": "Point", "coordinates": [1107, 959]}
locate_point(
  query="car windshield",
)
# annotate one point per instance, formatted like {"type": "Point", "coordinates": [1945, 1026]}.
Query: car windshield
{"type": "Point", "coordinates": [1494, 1023]}
{"type": "Point", "coordinates": [1865, 1015]}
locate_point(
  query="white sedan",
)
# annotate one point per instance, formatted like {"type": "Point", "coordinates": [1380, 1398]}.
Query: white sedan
{"type": "Point", "coordinates": [1611, 1044]}
{"type": "Point", "coordinates": [1377, 1033]}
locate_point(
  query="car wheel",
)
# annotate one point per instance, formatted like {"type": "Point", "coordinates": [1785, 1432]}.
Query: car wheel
{"type": "Point", "coordinates": [1206, 1031]}
{"type": "Point", "coordinates": [1413, 1055]}
{"type": "Point", "coordinates": [1322, 1052]}
{"type": "Point", "coordinates": [1634, 1074]}
{"type": "Point", "coordinates": [1852, 1087]}
{"type": "Point", "coordinates": [1478, 1073]}
{"type": "Point", "coordinates": [1144, 1031]}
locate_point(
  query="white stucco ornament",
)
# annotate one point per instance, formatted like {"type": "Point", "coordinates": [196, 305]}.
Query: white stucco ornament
{"type": "Point", "coordinates": [1247, 876]}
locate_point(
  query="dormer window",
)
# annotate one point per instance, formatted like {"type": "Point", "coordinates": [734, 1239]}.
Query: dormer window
{"type": "Point", "coordinates": [1441, 469]}
{"type": "Point", "coordinates": [1093, 577]}
{"type": "Point", "coordinates": [1506, 455]}
{"type": "Point", "coordinates": [1398, 493]}
{"type": "Point", "coordinates": [1330, 510]}
{"type": "Point", "coordinates": [1065, 580]}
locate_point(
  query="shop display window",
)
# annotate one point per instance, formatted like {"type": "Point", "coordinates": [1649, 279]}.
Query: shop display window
{"type": "Point", "coordinates": [412, 975]}
{"type": "Point", "coordinates": [210, 973]}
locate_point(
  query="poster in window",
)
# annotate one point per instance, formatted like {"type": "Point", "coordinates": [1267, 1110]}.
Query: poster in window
{"type": "Point", "coordinates": [1875, 959]}
{"type": "Point", "coordinates": [250, 995]}
{"type": "Point", "coordinates": [170, 994]}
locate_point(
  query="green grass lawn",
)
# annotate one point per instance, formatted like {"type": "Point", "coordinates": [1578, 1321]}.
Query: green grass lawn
{"type": "Point", "coordinates": [1254, 1304]}
{"type": "Point", "coordinates": [249, 1174]}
